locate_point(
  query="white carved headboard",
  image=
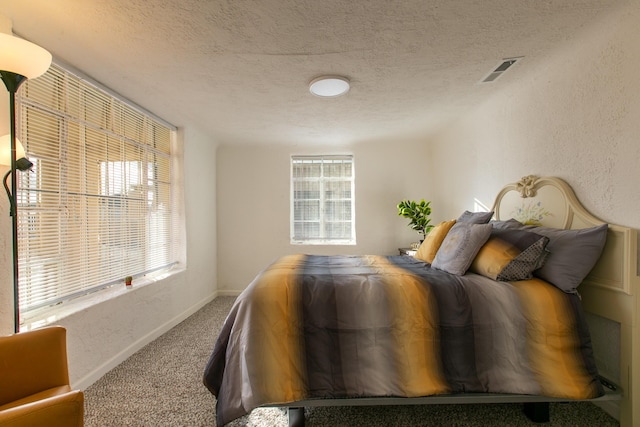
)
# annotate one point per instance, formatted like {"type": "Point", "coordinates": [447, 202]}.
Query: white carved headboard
{"type": "Point", "coordinates": [549, 201]}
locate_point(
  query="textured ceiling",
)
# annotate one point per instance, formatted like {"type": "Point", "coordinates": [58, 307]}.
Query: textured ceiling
{"type": "Point", "coordinates": [239, 69]}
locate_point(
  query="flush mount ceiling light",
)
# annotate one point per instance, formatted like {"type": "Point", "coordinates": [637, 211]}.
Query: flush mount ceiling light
{"type": "Point", "coordinates": [329, 86]}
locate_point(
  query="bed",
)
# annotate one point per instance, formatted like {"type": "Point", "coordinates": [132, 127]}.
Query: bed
{"type": "Point", "coordinates": [491, 309]}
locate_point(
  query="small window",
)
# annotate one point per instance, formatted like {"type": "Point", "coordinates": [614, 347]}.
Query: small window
{"type": "Point", "coordinates": [322, 200]}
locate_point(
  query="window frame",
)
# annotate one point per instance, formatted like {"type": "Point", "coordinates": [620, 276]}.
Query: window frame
{"type": "Point", "coordinates": [322, 181]}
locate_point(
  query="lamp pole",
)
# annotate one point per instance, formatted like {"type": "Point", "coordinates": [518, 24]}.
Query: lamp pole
{"type": "Point", "coordinates": [13, 81]}
{"type": "Point", "coordinates": [19, 60]}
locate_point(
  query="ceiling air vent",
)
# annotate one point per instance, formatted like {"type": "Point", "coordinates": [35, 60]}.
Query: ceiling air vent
{"type": "Point", "coordinates": [504, 66]}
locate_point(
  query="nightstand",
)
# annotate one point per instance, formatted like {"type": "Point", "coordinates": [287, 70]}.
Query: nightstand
{"type": "Point", "coordinates": [407, 251]}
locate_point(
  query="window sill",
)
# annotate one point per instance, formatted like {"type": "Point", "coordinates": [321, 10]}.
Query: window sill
{"type": "Point", "coordinates": [324, 242]}
{"type": "Point", "coordinates": [51, 315]}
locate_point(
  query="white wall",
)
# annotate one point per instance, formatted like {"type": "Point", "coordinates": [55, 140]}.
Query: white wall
{"type": "Point", "coordinates": [575, 115]}
{"type": "Point", "coordinates": [103, 335]}
{"type": "Point", "coordinates": [254, 203]}
{"type": "Point", "coordinates": [6, 259]}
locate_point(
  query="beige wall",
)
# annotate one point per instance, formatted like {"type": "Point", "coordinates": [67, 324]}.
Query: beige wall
{"type": "Point", "coordinates": [254, 203]}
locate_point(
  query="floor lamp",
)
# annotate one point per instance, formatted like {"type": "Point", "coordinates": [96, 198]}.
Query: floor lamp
{"type": "Point", "coordinates": [19, 60]}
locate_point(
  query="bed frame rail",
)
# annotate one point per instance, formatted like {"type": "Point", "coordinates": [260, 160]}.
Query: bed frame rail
{"type": "Point", "coordinates": [536, 408]}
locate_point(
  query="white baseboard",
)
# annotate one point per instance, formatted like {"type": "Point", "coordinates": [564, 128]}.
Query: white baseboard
{"type": "Point", "coordinates": [229, 293]}
{"type": "Point", "coordinates": [127, 352]}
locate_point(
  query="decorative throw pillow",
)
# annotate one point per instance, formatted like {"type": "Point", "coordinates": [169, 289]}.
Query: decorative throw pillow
{"type": "Point", "coordinates": [510, 255]}
{"type": "Point", "coordinates": [475, 217]}
{"type": "Point", "coordinates": [460, 247]}
{"type": "Point", "coordinates": [572, 254]}
{"type": "Point", "coordinates": [428, 249]}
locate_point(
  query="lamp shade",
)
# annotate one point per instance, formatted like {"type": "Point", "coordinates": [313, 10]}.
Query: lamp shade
{"type": "Point", "coordinates": [22, 57]}
{"type": "Point", "coordinates": [5, 150]}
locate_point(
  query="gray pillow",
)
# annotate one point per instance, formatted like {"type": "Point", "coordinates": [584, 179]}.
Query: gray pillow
{"type": "Point", "coordinates": [460, 247]}
{"type": "Point", "coordinates": [509, 224]}
{"type": "Point", "coordinates": [475, 217]}
{"type": "Point", "coordinates": [572, 254]}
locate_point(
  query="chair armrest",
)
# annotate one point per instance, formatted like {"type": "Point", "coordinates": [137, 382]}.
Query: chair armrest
{"type": "Point", "coordinates": [32, 362]}
{"type": "Point", "coordinates": [58, 411]}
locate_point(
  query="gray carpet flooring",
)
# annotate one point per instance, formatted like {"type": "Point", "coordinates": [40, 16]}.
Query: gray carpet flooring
{"type": "Point", "coordinates": [161, 385]}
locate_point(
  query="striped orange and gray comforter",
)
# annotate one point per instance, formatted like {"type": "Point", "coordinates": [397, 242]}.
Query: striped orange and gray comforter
{"type": "Point", "coordinates": [361, 326]}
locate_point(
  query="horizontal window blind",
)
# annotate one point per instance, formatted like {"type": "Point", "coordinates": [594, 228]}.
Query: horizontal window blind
{"type": "Point", "coordinates": [322, 201]}
{"type": "Point", "coordinates": [97, 205]}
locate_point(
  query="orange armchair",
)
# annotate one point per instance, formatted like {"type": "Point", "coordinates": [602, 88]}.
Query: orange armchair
{"type": "Point", "coordinates": [34, 380]}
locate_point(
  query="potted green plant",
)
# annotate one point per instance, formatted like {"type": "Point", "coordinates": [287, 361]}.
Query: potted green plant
{"type": "Point", "coordinates": [418, 213]}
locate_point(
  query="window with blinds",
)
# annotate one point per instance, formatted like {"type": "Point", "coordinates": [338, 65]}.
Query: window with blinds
{"type": "Point", "coordinates": [97, 205]}
{"type": "Point", "coordinates": [322, 200]}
